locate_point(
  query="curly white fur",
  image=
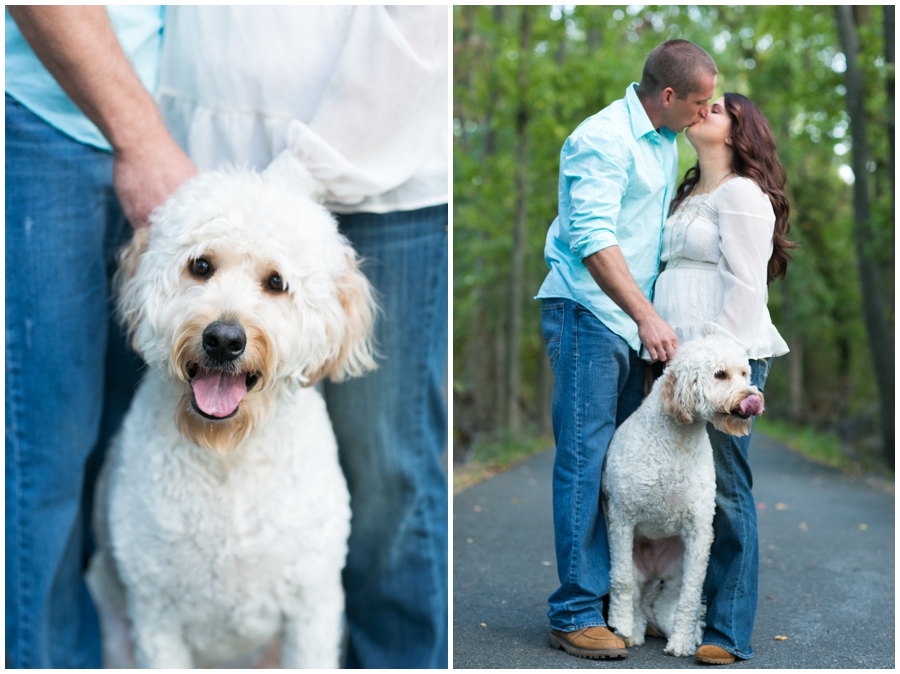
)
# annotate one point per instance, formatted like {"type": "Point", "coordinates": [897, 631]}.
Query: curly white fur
{"type": "Point", "coordinates": [659, 490]}
{"type": "Point", "coordinates": [217, 535]}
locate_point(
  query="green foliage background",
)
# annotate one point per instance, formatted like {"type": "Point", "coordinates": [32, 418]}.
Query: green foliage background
{"type": "Point", "coordinates": [579, 59]}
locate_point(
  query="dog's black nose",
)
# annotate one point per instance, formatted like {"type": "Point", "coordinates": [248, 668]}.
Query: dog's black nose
{"type": "Point", "coordinates": [224, 341]}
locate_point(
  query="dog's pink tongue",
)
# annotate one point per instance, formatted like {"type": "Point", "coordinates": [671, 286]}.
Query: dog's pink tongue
{"type": "Point", "coordinates": [751, 406]}
{"type": "Point", "coordinates": [218, 393]}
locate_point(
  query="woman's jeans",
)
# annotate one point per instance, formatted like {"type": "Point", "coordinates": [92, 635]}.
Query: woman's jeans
{"type": "Point", "coordinates": [391, 427]}
{"type": "Point", "coordinates": [732, 579]}
{"type": "Point", "coordinates": [69, 380]}
{"type": "Point", "coordinates": [598, 383]}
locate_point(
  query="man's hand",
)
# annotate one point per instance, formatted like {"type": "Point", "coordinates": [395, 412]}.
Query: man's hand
{"type": "Point", "coordinates": [79, 48]}
{"type": "Point", "coordinates": [145, 175]}
{"type": "Point", "coordinates": [610, 271]}
{"type": "Point", "coordinates": [658, 338]}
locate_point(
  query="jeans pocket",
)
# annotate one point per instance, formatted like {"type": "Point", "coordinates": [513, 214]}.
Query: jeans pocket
{"type": "Point", "coordinates": [552, 316]}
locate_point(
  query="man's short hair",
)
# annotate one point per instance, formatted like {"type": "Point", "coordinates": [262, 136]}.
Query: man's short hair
{"type": "Point", "coordinates": [678, 64]}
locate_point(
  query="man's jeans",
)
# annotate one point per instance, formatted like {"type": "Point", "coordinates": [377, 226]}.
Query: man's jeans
{"type": "Point", "coordinates": [598, 383]}
{"type": "Point", "coordinates": [69, 380]}
{"type": "Point", "coordinates": [391, 427]}
{"type": "Point", "coordinates": [732, 580]}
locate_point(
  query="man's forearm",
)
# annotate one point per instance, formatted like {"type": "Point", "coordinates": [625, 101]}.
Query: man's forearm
{"type": "Point", "coordinates": [78, 47]}
{"type": "Point", "coordinates": [610, 271]}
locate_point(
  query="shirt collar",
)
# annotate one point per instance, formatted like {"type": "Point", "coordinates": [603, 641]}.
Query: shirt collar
{"type": "Point", "coordinates": [640, 122]}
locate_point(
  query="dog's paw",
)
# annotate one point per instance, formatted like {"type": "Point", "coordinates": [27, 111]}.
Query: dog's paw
{"type": "Point", "coordinates": [637, 639]}
{"type": "Point", "coordinates": [680, 647]}
{"type": "Point", "coordinates": [622, 625]}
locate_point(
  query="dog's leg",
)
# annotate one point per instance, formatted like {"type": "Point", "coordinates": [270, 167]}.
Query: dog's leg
{"type": "Point", "coordinates": [158, 643]}
{"type": "Point", "coordinates": [621, 575]}
{"type": "Point", "coordinates": [312, 633]}
{"type": "Point", "coordinates": [698, 539]}
{"type": "Point", "coordinates": [109, 599]}
{"type": "Point", "coordinates": [639, 630]}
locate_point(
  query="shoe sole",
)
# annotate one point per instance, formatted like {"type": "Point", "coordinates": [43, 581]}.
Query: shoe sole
{"type": "Point", "coordinates": [608, 654]}
{"type": "Point", "coordinates": [715, 661]}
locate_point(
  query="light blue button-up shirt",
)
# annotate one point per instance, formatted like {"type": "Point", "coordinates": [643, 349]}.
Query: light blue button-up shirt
{"type": "Point", "coordinates": [617, 175]}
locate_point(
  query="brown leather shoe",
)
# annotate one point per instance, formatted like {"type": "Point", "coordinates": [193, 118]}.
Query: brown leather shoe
{"type": "Point", "coordinates": [593, 643]}
{"type": "Point", "coordinates": [713, 655]}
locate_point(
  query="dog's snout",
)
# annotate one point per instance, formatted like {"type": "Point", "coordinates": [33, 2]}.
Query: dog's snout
{"type": "Point", "coordinates": [224, 341]}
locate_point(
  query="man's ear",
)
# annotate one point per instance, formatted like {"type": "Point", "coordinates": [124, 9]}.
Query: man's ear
{"type": "Point", "coordinates": [668, 95]}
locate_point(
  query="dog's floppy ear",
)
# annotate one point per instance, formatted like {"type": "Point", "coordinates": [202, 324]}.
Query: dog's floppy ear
{"type": "Point", "coordinates": [676, 397]}
{"type": "Point", "coordinates": [128, 302]}
{"type": "Point", "coordinates": [357, 301]}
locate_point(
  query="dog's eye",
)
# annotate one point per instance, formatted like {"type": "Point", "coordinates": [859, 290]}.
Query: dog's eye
{"type": "Point", "coordinates": [201, 267]}
{"type": "Point", "coordinates": [276, 283]}
{"type": "Point", "coordinates": [721, 375]}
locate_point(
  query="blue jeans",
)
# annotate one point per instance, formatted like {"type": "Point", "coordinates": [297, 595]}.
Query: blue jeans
{"type": "Point", "coordinates": [69, 380]}
{"type": "Point", "coordinates": [391, 427]}
{"type": "Point", "coordinates": [598, 383]}
{"type": "Point", "coordinates": [732, 580]}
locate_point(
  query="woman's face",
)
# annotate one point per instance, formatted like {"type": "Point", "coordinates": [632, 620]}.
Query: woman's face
{"type": "Point", "coordinates": [714, 130]}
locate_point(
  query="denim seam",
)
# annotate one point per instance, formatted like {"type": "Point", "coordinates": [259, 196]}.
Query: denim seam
{"type": "Point", "coordinates": [582, 626]}
{"type": "Point", "coordinates": [420, 407]}
{"type": "Point", "coordinates": [576, 543]}
{"type": "Point", "coordinates": [23, 617]}
{"type": "Point", "coordinates": [429, 322]}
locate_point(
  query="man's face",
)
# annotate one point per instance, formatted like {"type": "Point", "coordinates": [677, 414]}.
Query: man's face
{"type": "Point", "coordinates": [679, 114]}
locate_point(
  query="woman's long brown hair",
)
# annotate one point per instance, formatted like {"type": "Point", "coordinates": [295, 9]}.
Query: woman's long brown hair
{"type": "Point", "coordinates": [754, 158]}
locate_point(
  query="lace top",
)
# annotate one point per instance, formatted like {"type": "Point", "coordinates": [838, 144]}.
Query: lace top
{"type": "Point", "coordinates": [716, 250]}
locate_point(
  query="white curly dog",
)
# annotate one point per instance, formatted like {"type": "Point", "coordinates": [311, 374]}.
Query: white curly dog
{"type": "Point", "coordinates": [221, 513]}
{"type": "Point", "coordinates": [659, 491]}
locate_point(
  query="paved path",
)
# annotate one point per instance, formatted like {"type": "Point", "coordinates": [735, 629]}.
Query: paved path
{"type": "Point", "coordinates": [826, 571]}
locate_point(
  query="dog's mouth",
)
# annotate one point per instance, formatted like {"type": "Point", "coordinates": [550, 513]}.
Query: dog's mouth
{"type": "Point", "coordinates": [218, 393]}
{"type": "Point", "coordinates": [751, 406]}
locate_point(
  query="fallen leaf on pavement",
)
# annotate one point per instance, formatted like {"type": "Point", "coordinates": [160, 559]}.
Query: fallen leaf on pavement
{"type": "Point", "coordinates": [863, 527]}
{"type": "Point", "coordinates": [781, 506]}
{"type": "Point", "coordinates": [781, 638]}
{"type": "Point", "coordinates": [804, 526]}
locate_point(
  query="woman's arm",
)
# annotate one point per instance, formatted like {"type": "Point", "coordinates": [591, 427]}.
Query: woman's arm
{"type": "Point", "coordinates": [746, 225]}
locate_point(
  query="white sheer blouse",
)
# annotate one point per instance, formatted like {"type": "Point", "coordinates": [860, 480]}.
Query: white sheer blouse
{"type": "Point", "coordinates": [358, 93]}
{"type": "Point", "coordinates": [716, 250]}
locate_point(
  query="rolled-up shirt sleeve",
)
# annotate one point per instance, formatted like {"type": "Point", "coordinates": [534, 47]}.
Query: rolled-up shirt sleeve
{"type": "Point", "coordinates": [596, 177]}
{"type": "Point", "coordinates": [746, 226]}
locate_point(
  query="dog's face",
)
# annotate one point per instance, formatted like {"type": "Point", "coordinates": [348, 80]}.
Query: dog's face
{"type": "Point", "coordinates": [238, 287]}
{"type": "Point", "coordinates": [709, 379]}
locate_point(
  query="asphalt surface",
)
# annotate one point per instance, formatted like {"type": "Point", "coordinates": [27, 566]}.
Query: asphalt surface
{"type": "Point", "coordinates": [826, 571]}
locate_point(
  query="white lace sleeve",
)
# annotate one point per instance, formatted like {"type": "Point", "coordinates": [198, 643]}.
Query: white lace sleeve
{"type": "Point", "coordinates": [746, 226]}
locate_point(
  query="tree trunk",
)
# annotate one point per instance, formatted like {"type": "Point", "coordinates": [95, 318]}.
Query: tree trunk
{"type": "Point", "coordinates": [880, 341]}
{"type": "Point", "coordinates": [517, 272]}
{"type": "Point", "coordinates": [500, 397]}
{"type": "Point", "coordinates": [889, 116]}
{"type": "Point", "coordinates": [795, 355]}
